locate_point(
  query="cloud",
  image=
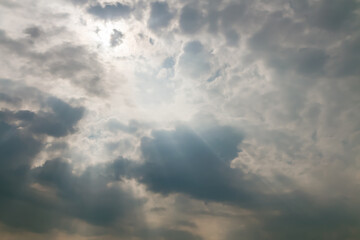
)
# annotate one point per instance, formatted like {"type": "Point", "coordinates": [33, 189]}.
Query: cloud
{"type": "Point", "coordinates": [181, 161]}
{"type": "Point", "coordinates": [345, 62]}
{"type": "Point", "coordinates": [232, 38]}
{"type": "Point", "coordinates": [17, 147]}
{"type": "Point", "coordinates": [66, 60]}
{"type": "Point", "coordinates": [267, 42]}
{"type": "Point", "coordinates": [197, 120]}
{"type": "Point", "coordinates": [21, 128]}
{"type": "Point", "coordinates": [79, 2]}
{"type": "Point", "coordinates": [116, 38]}
{"type": "Point", "coordinates": [233, 14]}
{"type": "Point", "coordinates": [55, 195]}
{"type": "Point", "coordinates": [9, 99]}
{"type": "Point", "coordinates": [194, 61]}
{"type": "Point", "coordinates": [304, 220]}
{"type": "Point", "coordinates": [332, 15]}
{"type": "Point", "coordinates": [173, 235]}
{"type": "Point", "coordinates": [33, 32]}
{"type": "Point", "coordinates": [60, 122]}
{"type": "Point", "coordinates": [110, 11]}
{"type": "Point", "coordinates": [160, 16]}
{"type": "Point", "coordinates": [20, 143]}
{"type": "Point", "coordinates": [197, 165]}
{"type": "Point", "coordinates": [169, 62]}
{"type": "Point", "coordinates": [191, 20]}
{"type": "Point", "coordinates": [114, 126]}
{"type": "Point", "coordinates": [87, 195]}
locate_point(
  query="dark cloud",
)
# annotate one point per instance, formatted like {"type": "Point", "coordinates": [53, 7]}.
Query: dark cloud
{"type": "Point", "coordinates": [186, 224]}
{"type": "Point", "coordinates": [304, 61]}
{"type": "Point", "coordinates": [198, 165]}
{"type": "Point", "coordinates": [332, 14]}
{"type": "Point", "coordinates": [299, 6]}
{"type": "Point", "coordinates": [20, 129]}
{"type": "Point", "coordinates": [87, 196]}
{"type": "Point", "coordinates": [58, 122]}
{"type": "Point", "coordinates": [310, 60]}
{"type": "Point", "coordinates": [33, 32]}
{"type": "Point", "coordinates": [232, 38]}
{"type": "Point", "coordinates": [26, 213]}
{"type": "Point", "coordinates": [17, 47]}
{"type": "Point", "coordinates": [191, 20]}
{"type": "Point", "coordinates": [110, 11]}
{"type": "Point", "coordinates": [9, 99]}
{"type": "Point", "coordinates": [346, 59]}
{"type": "Point", "coordinates": [116, 38]}
{"type": "Point", "coordinates": [278, 31]}
{"type": "Point", "coordinates": [230, 19]}
{"type": "Point", "coordinates": [21, 93]}
{"type": "Point", "coordinates": [298, 221]}
{"type": "Point", "coordinates": [303, 87]}
{"type": "Point", "coordinates": [170, 234]}
{"type": "Point", "coordinates": [18, 147]}
{"type": "Point", "coordinates": [67, 61]}
{"type": "Point", "coordinates": [233, 14]}
{"type": "Point", "coordinates": [20, 142]}
{"type": "Point", "coordinates": [160, 15]}
{"type": "Point", "coordinates": [92, 196]}
{"type": "Point", "coordinates": [158, 209]}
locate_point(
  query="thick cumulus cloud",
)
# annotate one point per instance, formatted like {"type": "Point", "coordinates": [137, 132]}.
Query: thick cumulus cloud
{"type": "Point", "coordinates": [58, 122]}
{"type": "Point", "coordinates": [21, 141]}
{"type": "Point", "coordinates": [181, 161]}
{"type": "Point", "coordinates": [51, 196]}
{"type": "Point", "coordinates": [86, 196]}
{"type": "Point", "coordinates": [180, 119]}
{"type": "Point", "coordinates": [198, 165]}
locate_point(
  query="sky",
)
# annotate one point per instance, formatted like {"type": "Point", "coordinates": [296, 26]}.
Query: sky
{"type": "Point", "coordinates": [180, 119]}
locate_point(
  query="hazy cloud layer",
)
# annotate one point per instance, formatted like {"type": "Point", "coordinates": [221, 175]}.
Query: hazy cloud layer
{"type": "Point", "coordinates": [180, 119]}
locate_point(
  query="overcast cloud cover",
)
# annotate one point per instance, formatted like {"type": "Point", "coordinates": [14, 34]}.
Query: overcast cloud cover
{"type": "Point", "coordinates": [180, 119]}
